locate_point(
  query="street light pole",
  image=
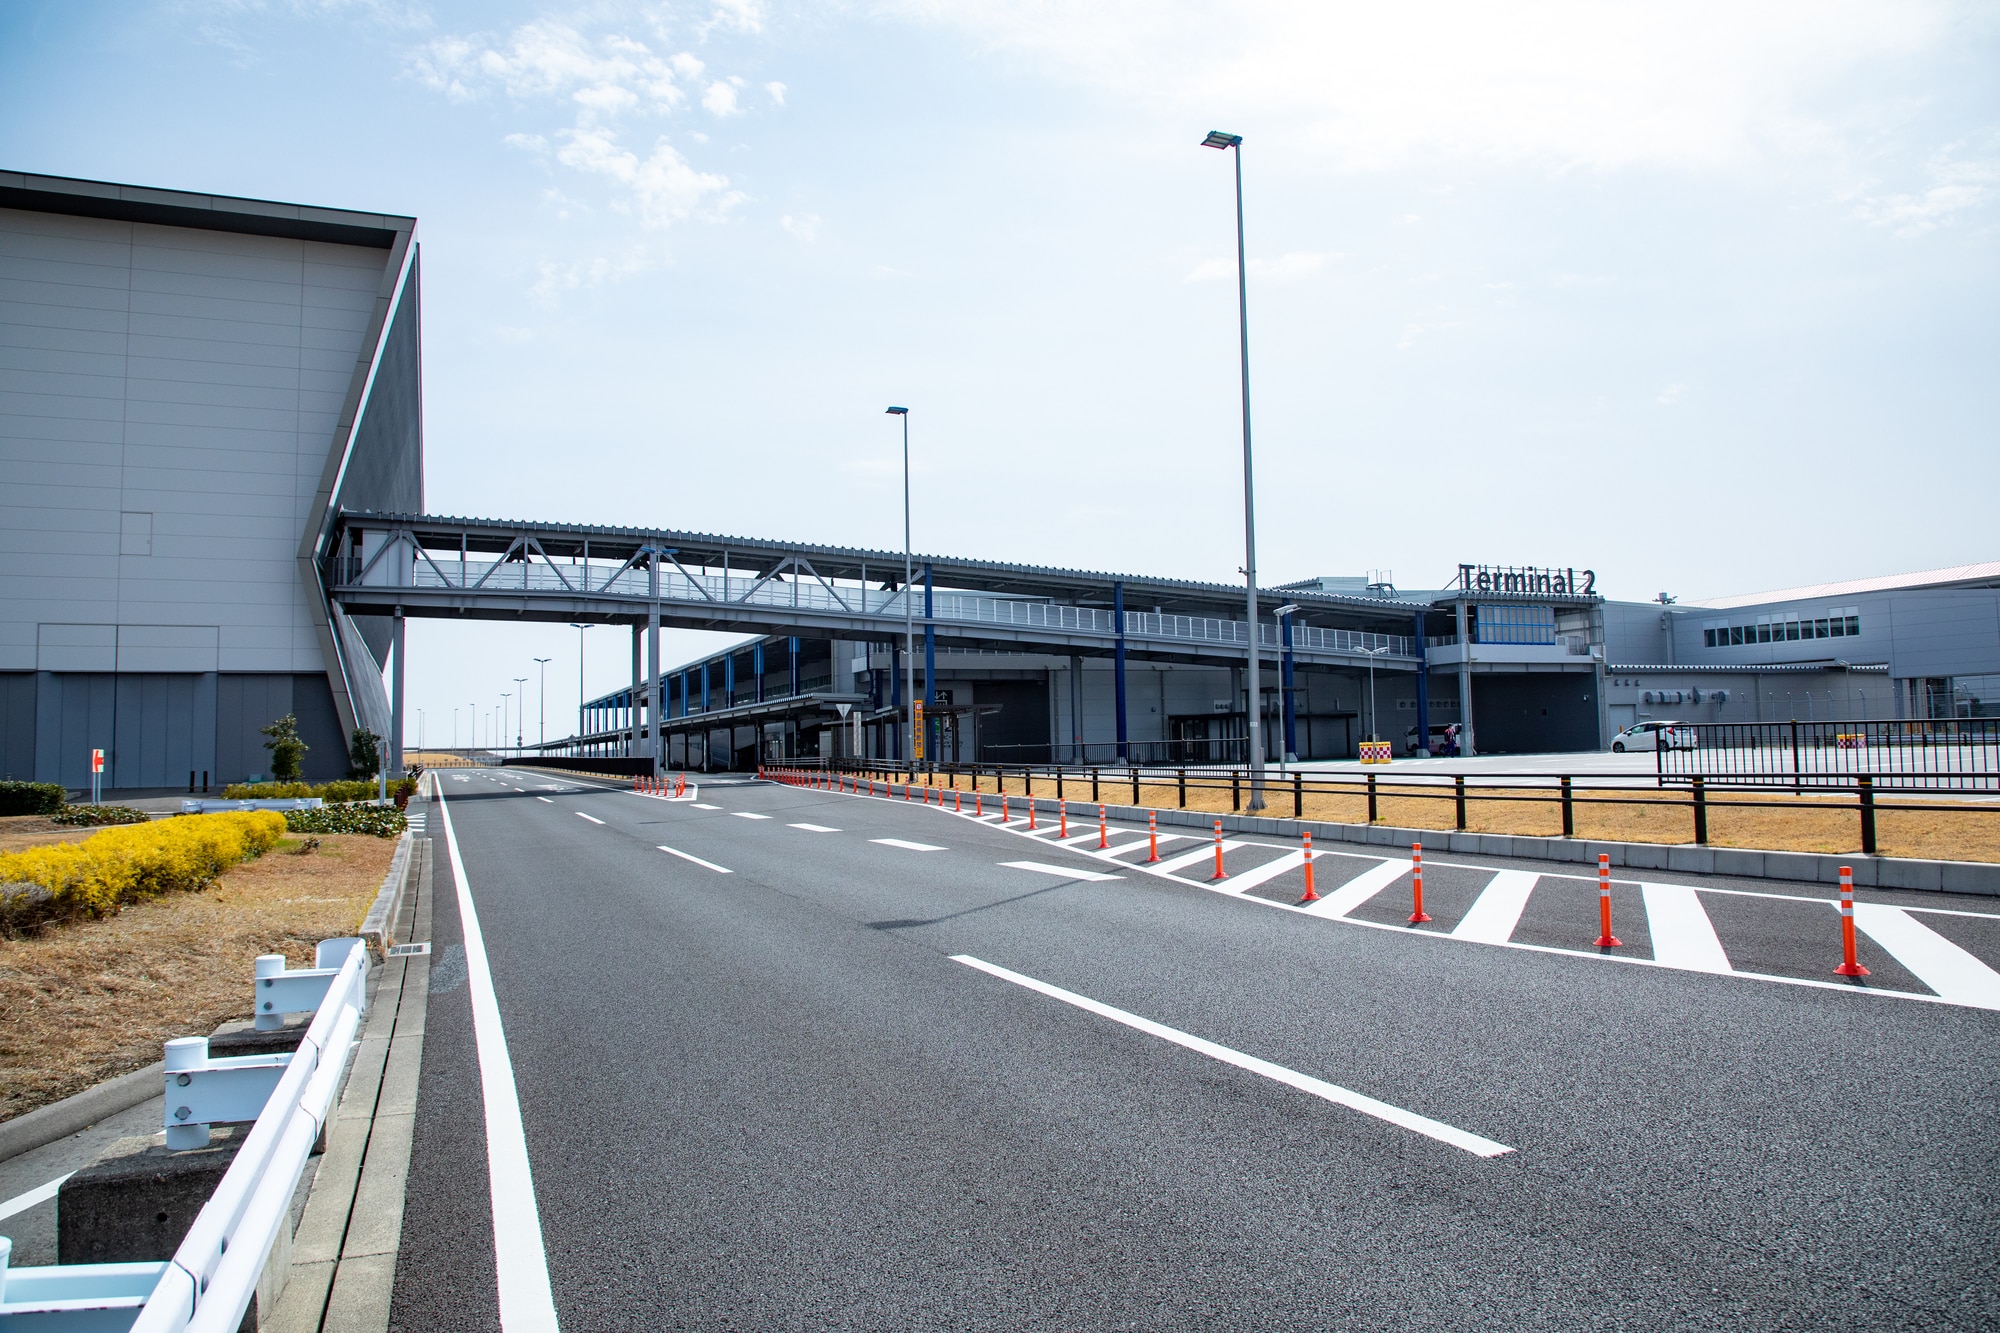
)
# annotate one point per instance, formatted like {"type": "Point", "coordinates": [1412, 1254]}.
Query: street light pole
{"type": "Point", "coordinates": [1374, 733]}
{"type": "Point", "coordinates": [501, 738]}
{"type": "Point", "coordinates": [520, 718]}
{"type": "Point", "coordinates": [1217, 139]}
{"type": "Point", "coordinates": [909, 611]}
{"type": "Point", "coordinates": [542, 704]}
{"type": "Point", "coordinates": [579, 628]}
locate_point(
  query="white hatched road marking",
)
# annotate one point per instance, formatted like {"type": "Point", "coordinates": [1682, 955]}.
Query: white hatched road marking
{"type": "Point", "coordinates": [1143, 843]}
{"type": "Point", "coordinates": [1475, 1144]}
{"type": "Point", "coordinates": [1683, 936]}
{"type": "Point", "coordinates": [592, 818]}
{"type": "Point", "coordinates": [1170, 866]}
{"type": "Point", "coordinates": [1242, 881]}
{"type": "Point", "coordinates": [814, 828]}
{"type": "Point", "coordinates": [690, 856]}
{"type": "Point", "coordinates": [1062, 872]}
{"type": "Point", "coordinates": [1358, 890]}
{"type": "Point", "coordinates": [1934, 960]}
{"type": "Point", "coordinates": [21, 1203]}
{"type": "Point", "coordinates": [906, 846]}
{"type": "Point", "coordinates": [1498, 908]}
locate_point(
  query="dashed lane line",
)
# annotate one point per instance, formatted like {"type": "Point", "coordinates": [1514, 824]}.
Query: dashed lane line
{"type": "Point", "coordinates": [592, 818]}
{"type": "Point", "coordinates": [699, 806]}
{"type": "Point", "coordinates": [1060, 872]}
{"type": "Point", "coordinates": [813, 828]}
{"type": "Point", "coordinates": [1476, 1144]}
{"type": "Point", "coordinates": [545, 800]}
{"type": "Point", "coordinates": [906, 846]}
{"type": "Point", "coordinates": [750, 814]}
{"type": "Point", "coordinates": [690, 856]}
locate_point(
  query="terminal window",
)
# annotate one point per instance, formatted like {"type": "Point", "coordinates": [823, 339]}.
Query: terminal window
{"type": "Point", "coordinates": [1839, 622]}
{"type": "Point", "coordinates": [1514, 624]}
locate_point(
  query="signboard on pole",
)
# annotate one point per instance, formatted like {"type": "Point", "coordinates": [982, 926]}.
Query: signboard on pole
{"type": "Point", "coordinates": [97, 761]}
{"type": "Point", "coordinates": [918, 729]}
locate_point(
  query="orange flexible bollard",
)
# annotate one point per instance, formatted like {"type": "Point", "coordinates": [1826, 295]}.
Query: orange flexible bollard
{"type": "Point", "coordinates": [1031, 814]}
{"type": "Point", "coordinates": [1153, 835]}
{"type": "Point", "coordinates": [1418, 916]}
{"type": "Point", "coordinates": [1062, 829]}
{"type": "Point", "coordinates": [1605, 939]}
{"type": "Point", "coordinates": [1005, 818]}
{"type": "Point", "coordinates": [1102, 841]}
{"type": "Point", "coordinates": [1850, 966]}
{"type": "Point", "coordinates": [1219, 872]}
{"type": "Point", "coordinates": [957, 802]}
{"type": "Point", "coordinates": [1310, 897]}
{"type": "Point", "coordinates": [978, 805]}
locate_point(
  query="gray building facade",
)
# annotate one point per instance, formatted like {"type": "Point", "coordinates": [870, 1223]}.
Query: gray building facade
{"type": "Point", "coordinates": [189, 387]}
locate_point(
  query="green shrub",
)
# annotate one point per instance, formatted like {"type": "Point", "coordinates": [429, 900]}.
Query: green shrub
{"type": "Point", "coordinates": [347, 790]}
{"type": "Point", "coordinates": [91, 816]}
{"type": "Point", "coordinates": [31, 798]}
{"type": "Point", "coordinates": [383, 821]}
{"type": "Point", "coordinates": [288, 752]}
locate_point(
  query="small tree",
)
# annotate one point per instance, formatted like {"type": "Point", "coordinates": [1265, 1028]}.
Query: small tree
{"type": "Point", "coordinates": [287, 750]}
{"type": "Point", "coordinates": [366, 752]}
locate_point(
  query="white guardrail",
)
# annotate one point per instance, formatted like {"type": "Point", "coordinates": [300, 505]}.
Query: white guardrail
{"type": "Point", "coordinates": [207, 1286]}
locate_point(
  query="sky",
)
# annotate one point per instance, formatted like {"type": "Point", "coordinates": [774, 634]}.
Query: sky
{"type": "Point", "coordinates": [1703, 297]}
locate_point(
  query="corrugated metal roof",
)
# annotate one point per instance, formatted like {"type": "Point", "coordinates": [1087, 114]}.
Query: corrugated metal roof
{"type": "Point", "coordinates": [1987, 574]}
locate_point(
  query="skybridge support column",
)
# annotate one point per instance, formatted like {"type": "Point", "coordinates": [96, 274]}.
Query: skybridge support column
{"type": "Point", "coordinates": [396, 700]}
{"type": "Point", "coordinates": [757, 666]}
{"type": "Point", "coordinates": [650, 711]}
{"type": "Point", "coordinates": [795, 666]}
{"type": "Point", "coordinates": [930, 668]}
{"type": "Point", "coordinates": [631, 727]}
{"type": "Point", "coordinates": [1075, 710]}
{"type": "Point", "coordinates": [1423, 687]}
{"type": "Point", "coordinates": [1118, 666]}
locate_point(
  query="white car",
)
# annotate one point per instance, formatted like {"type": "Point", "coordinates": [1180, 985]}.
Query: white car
{"type": "Point", "coordinates": [1654, 736]}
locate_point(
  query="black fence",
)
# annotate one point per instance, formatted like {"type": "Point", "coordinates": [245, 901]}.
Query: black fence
{"type": "Point", "coordinates": [1944, 754]}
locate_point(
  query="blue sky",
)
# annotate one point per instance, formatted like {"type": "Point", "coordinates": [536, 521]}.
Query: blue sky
{"type": "Point", "coordinates": [1702, 296]}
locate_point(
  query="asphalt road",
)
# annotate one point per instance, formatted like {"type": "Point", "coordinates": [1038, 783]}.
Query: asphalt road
{"type": "Point", "coordinates": [773, 1098]}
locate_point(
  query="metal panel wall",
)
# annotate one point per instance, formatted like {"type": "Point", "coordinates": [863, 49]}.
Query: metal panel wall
{"type": "Point", "coordinates": [17, 725]}
{"type": "Point", "coordinates": [164, 728]}
{"type": "Point", "coordinates": [1945, 633]}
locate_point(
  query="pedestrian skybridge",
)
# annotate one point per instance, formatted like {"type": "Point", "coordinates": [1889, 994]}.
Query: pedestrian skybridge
{"type": "Point", "coordinates": [422, 565]}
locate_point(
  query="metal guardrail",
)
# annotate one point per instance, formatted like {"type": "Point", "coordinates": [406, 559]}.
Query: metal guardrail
{"type": "Point", "coordinates": [1943, 754]}
{"type": "Point", "coordinates": [208, 1284]}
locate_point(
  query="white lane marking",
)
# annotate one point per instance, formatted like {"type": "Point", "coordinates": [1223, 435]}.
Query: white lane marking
{"type": "Point", "coordinates": [750, 814]}
{"type": "Point", "coordinates": [1061, 872]}
{"type": "Point", "coordinates": [1242, 881]}
{"type": "Point", "coordinates": [1475, 1144]}
{"type": "Point", "coordinates": [689, 856]}
{"type": "Point", "coordinates": [814, 828]}
{"type": "Point", "coordinates": [21, 1203]}
{"type": "Point", "coordinates": [1934, 960]}
{"type": "Point", "coordinates": [545, 800]}
{"type": "Point", "coordinates": [1683, 936]}
{"type": "Point", "coordinates": [699, 806]}
{"type": "Point", "coordinates": [907, 846]}
{"type": "Point", "coordinates": [1172, 864]}
{"type": "Point", "coordinates": [1358, 890]}
{"type": "Point", "coordinates": [1498, 908]}
{"type": "Point", "coordinates": [592, 818]}
{"type": "Point", "coordinates": [526, 1303]}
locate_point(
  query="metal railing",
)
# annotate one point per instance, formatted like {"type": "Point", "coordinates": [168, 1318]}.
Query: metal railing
{"type": "Point", "coordinates": [1650, 811]}
{"type": "Point", "coordinates": [1946, 754]}
{"type": "Point", "coordinates": [208, 1284]}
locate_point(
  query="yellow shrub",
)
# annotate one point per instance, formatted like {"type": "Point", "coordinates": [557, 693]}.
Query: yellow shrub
{"type": "Point", "coordinates": [137, 861]}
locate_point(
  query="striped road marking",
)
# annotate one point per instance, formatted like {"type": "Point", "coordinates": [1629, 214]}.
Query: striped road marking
{"type": "Point", "coordinates": [1498, 908]}
{"type": "Point", "coordinates": [1358, 890]}
{"type": "Point", "coordinates": [1934, 960]}
{"type": "Point", "coordinates": [1682, 934]}
{"type": "Point", "coordinates": [1060, 872]}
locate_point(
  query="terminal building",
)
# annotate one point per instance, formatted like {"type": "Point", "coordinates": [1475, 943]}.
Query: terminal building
{"type": "Point", "coordinates": [211, 441]}
{"type": "Point", "coordinates": [190, 387]}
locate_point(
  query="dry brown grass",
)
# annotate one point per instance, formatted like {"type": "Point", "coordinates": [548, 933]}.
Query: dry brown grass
{"type": "Point", "coordinates": [19, 831]}
{"type": "Point", "coordinates": [91, 1000]}
{"type": "Point", "coordinates": [1783, 822]}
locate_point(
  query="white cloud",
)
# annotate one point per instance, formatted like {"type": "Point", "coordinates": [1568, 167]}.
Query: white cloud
{"type": "Point", "coordinates": [806, 227]}
{"type": "Point", "coordinates": [1568, 83]}
{"type": "Point", "coordinates": [1285, 268]}
{"type": "Point", "coordinates": [1958, 185]}
{"type": "Point", "coordinates": [1672, 394]}
{"type": "Point", "coordinates": [665, 188]}
{"type": "Point", "coordinates": [777, 92]}
{"type": "Point", "coordinates": [720, 99]}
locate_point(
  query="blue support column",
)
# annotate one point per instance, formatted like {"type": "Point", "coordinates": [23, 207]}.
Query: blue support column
{"type": "Point", "coordinates": [1118, 667]}
{"type": "Point", "coordinates": [704, 687]}
{"type": "Point", "coordinates": [757, 667]}
{"type": "Point", "coordinates": [729, 681]}
{"type": "Point", "coordinates": [1285, 691]}
{"type": "Point", "coordinates": [1423, 689]}
{"type": "Point", "coordinates": [795, 664]}
{"type": "Point", "coordinates": [687, 694]}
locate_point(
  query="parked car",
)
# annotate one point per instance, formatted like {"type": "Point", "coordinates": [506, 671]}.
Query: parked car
{"type": "Point", "coordinates": [1655, 736]}
{"type": "Point", "coordinates": [1443, 740]}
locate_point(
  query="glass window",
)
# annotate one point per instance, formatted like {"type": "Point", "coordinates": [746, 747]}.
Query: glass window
{"type": "Point", "coordinates": [1791, 629]}
{"type": "Point", "coordinates": [1838, 626]}
{"type": "Point", "coordinates": [1735, 635]}
{"type": "Point", "coordinates": [1854, 625]}
{"type": "Point", "coordinates": [1708, 638]}
{"type": "Point", "coordinates": [1821, 633]}
{"type": "Point", "coordinates": [1763, 634]}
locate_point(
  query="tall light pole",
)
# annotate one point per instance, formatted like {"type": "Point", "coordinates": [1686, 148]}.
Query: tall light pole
{"type": "Point", "coordinates": [542, 704]}
{"type": "Point", "coordinates": [579, 628]}
{"type": "Point", "coordinates": [1217, 139]}
{"type": "Point", "coordinates": [520, 714]}
{"type": "Point", "coordinates": [909, 623]}
{"type": "Point", "coordinates": [420, 729]}
{"type": "Point", "coordinates": [454, 728]}
{"type": "Point", "coordinates": [1373, 733]}
{"type": "Point", "coordinates": [501, 738]}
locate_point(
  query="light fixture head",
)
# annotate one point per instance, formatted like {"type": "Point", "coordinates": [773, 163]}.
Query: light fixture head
{"type": "Point", "coordinates": [899, 411]}
{"type": "Point", "coordinates": [1289, 608]}
{"type": "Point", "coordinates": [1217, 139]}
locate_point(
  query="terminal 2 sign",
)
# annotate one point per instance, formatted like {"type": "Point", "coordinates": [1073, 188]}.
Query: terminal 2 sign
{"type": "Point", "coordinates": [1510, 579]}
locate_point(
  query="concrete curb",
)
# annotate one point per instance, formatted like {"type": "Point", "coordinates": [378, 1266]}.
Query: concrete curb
{"type": "Point", "coordinates": [379, 926]}
{"type": "Point", "coordinates": [58, 1120]}
{"type": "Point", "coordinates": [1875, 872]}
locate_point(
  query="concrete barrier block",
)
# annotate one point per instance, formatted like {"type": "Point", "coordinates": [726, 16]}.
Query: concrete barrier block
{"type": "Point", "coordinates": [1799, 866]}
{"type": "Point", "coordinates": [1615, 850]}
{"type": "Point", "coordinates": [1969, 877]}
{"type": "Point", "coordinates": [138, 1199]}
{"type": "Point", "coordinates": [1646, 855]}
{"type": "Point", "coordinates": [1894, 873]}
{"type": "Point", "coordinates": [1867, 870]}
{"type": "Point", "coordinates": [1691, 860]}
{"type": "Point", "coordinates": [1737, 861]}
